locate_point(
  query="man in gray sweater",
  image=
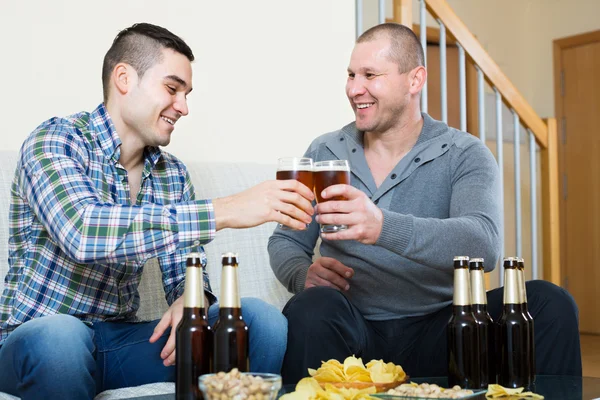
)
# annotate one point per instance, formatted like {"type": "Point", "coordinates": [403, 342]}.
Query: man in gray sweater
{"type": "Point", "coordinates": [421, 192]}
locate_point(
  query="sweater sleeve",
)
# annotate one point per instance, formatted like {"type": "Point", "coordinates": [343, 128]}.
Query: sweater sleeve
{"type": "Point", "coordinates": [291, 253]}
{"type": "Point", "coordinates": [474, 225]}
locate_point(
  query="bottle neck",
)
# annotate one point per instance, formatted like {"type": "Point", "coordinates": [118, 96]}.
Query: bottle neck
{"type": "Point", "coordinates": [230, 297]}
{"type": "Point", "coordinates": [462, 287]}
{"type": "Point", "coordinates": [230, 313]}
{"type": "Point", "coordinates": [193, 295]}
{"type": "Point", "coordinates": [521, 283]}
{"type": "Point", "coordinates": [511, 287]}
{"type": "Point", "coordinates": [478, 295]}
{"type": "Point", "coordinates": [461, 310]}
{"type": "Point", "coordinates": [194, 312]}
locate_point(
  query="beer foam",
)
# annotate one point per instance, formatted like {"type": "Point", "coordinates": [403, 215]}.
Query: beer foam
{"type": "Point", "coordinates": [331, 168]}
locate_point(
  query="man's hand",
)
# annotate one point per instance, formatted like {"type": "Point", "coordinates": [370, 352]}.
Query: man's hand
{"type": "Point", "coordinates": [326, 271]}
{"type": "Point", "coordinates": [286, 201]}
{"type": "Point", "coordinates": [363, 218]}
{"type": "Point", "coordinates": [170, 318]}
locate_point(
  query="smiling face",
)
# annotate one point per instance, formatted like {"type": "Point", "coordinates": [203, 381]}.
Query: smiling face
{"type": "Point", "coordinates": [153, 104]}
{"type": "Point", "coordinates": [378, 92]}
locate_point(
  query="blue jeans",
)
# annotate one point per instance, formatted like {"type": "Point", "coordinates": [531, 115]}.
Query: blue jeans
{"type": "Point", "coordinates": [59, 357]}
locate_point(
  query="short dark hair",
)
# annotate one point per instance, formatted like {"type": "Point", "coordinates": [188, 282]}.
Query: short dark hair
{"type": "Point", "coordinates": [405, 47]}
{"type": "Point", "coordinates": [140, 46]}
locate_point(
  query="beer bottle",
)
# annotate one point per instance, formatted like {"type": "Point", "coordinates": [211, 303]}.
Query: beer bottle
{"type": "Point", "coordinates": [513, 333]}
{"type": "Point", "coordinates": [531, 338]}
{"type": "Point", "coordinates": [462, 333]}
{"type": "Point", "coordinates": [485, 323]}
{"type": "Point", "coordinates": [231, 332]}
{"type": "Point", "coordinates": [194, 336]}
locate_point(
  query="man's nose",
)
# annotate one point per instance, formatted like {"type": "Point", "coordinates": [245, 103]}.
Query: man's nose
{"type": "Point", "coordinates": [181, 106]}
{"type": "Point", "coordinates": [355, 88]}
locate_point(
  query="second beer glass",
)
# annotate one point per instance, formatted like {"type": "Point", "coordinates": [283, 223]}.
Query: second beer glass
{"type": "Point", "coordinates": [298, 168]}
{"type": "Point", "coordinates": [329, 173]}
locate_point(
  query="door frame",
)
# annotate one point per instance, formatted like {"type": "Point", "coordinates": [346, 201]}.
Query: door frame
{"type": "Point", "coordinates": [560, 45]}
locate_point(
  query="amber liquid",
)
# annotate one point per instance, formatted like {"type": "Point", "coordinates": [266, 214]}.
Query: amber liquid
{"type": "Point", "coordinates": [514, 364]}
{"type": "Point", "coordinates": [304, 177]}
{"type": "Point", "coordinates": [463, 349]}
{"type": "Point", "coordinates": [324, 179]}
{"type": "Point", "coordinates": [487, 360]}
{"type": "Point", "coordinates": [231, 341]}
{"type": "Point", "coordinates": [194, 346]}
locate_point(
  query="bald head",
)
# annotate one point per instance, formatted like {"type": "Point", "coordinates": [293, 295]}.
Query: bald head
{"type": "Point", "coordinates": [405, 48]}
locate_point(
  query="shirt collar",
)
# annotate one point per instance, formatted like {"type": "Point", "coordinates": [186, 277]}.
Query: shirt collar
{"type": "Point", "coordinates": [109, 139]}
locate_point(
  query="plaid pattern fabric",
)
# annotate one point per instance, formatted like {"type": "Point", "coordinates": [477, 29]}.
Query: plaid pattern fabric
{"type": "Point", "coordinates": [76, 243]}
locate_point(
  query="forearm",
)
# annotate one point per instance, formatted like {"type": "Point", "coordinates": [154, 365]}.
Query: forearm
{"type": "Point", "coordinates": [290, 254]}
{"type": "Point", "coordinates": [434, 242]}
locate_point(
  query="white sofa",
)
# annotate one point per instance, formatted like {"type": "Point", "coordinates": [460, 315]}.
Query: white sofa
{"type": "Point", "coordinates": [211, 180]}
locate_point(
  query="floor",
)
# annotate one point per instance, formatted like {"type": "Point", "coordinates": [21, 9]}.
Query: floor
{"type": "Point", "coordinates": [590, 355]}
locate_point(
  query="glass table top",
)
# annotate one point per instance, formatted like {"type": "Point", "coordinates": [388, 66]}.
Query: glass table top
{"type": "Point", "coordinates": [551, 387]}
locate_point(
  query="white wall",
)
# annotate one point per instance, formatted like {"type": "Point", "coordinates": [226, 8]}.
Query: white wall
{"type": "Point", "coordinates": [269, 75]}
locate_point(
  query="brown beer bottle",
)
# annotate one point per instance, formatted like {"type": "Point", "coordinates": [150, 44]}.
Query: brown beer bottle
{"type": "Point", "coordinates": [194, 336]}
{"type": "Point", "coordinates": [462, 332]}
{"type": "Point", "coordinates": [231, 332]}
{"type": "Point", "coordinates": [485, 323]}
{"type": "Point", "coordinates": [531, 338]}
{"type": "Point", "coordinates": [513, 331]}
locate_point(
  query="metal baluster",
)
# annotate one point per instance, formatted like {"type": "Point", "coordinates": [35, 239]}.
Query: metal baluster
{"type": "Point", "coordinates": [462, 82]}
{"type": "Point", "coordinates": [533, 199]}
{"type": "Point", "coordinates": [481, 103]}
{"type": "Point", "coordinates": [518, 227]}
{"type": "Point", "coordinates": [359, 17]}
{"type": "Point", "coordinates": [443, 79]}
{"type": "Point", "coordinates": [423, 32]}
{"type": "Point", "coordinates": [381, 11]}
{"type": "Point", "coordinates": [500, 157]}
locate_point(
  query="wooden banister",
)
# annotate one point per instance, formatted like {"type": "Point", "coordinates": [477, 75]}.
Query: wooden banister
{"type": "Point", "coordinates": [440, 9]}
{"type": "Point", "coordinates": [403, 12]}
{"type": "Point", "coordinates": [550, 205]}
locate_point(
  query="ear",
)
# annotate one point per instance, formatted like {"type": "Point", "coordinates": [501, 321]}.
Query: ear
{"type": "Point", "coordinates": [418, 77]}
{"type": "Point", "coordinates": [123, 77]}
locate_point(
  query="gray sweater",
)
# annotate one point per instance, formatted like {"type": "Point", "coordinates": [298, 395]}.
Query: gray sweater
{"type": "Point", "coordinates": [440, 201]}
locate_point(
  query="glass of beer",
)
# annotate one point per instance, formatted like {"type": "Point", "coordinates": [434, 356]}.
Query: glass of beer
{"type": "Point", "coordinates": [298, 168]}
{"type": "Point", "coordinates": [328, 173]}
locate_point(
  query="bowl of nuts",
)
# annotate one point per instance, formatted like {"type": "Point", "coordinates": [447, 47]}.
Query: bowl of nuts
{"type": "Point", "coordinates": [236, 385]}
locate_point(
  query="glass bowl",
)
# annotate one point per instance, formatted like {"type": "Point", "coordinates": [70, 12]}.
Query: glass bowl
{"type": "Point", "coordinates": [239, 385]}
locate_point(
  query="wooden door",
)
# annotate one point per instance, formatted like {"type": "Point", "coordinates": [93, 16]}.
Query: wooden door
{"type": "Point", "coordinates": [578, 112]}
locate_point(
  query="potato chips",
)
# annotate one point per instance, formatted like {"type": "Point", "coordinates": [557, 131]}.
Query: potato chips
{"type": "Point", "coordinates": [309, 389]}
{"type": "Point", "coordinates": [353, 370]}
{"type": "Point", "coordinates": [497, 391]}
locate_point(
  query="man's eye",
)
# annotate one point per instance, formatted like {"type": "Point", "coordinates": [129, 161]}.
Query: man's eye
{"type": "Point", "coordinates": [370, 76]}
{"type": "Point", "coordinates": [171, 89]}
{"type": "Point", "coordinates": [350, 75]}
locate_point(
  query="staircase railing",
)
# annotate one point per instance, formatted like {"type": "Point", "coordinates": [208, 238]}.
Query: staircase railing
{"type": "Point", "coordinates": [542, 132]}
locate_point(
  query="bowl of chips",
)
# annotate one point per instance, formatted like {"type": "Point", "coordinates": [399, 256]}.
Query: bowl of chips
{"type": "Point", "coordinates": [310, 389]}
{"type": "Point", "coordinates": [353, 373]}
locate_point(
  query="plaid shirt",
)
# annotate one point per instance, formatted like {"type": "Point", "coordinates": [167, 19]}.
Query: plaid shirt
{"type": "Point", "coordinates": [77, 245]}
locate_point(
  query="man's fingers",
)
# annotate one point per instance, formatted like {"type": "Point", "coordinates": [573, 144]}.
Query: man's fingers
{"type": "Point", "coordinates": [336, 266]}
{"type": "Point", "coordinates": [168, 352]}
{"type": "Point", "coordinates": [346, 191]}
{"type": "Point", "coordinates": [298, 187]}
{"type": "Point", "coordinates": [161, 327]}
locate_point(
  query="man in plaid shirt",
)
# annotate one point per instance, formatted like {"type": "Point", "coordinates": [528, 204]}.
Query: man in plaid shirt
{"type": "Point", "coordinates": [92, 200]}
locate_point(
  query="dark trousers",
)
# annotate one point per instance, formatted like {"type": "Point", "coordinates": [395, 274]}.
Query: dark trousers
{"type": "Point", "coordinates": [323, 324]}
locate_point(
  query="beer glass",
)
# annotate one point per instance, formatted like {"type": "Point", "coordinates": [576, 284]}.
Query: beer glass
{"type": "Point", "coordinates": [298, 168]}
{"type": "Point", "coordinates": [328, 173]}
